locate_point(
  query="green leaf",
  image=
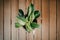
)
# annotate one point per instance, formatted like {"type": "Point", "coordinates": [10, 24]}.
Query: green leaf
{"type": "Point", "coordinates": [17, 25]}
{"type": "Point", "coordinates": [21, 20]}
{"type": "Point", "coordinates": [28, 27]}
{"type": "Point", "coordinates": [30, 9]}
{"type": "Point", "coordinates": [31, 17]}
{"type": "Point", "coordinates": [36, 14]}
{"type": "Point", "coordinates": [34, 25]}
{"type": "Point", "coordinates": [21, 13]}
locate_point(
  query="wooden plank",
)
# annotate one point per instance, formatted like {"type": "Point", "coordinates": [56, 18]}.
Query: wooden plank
{"type": "Point", "coordinates": [29, 35]}
{"type": "Point", "coordinates": [58, 19]}
{"type": "Point", "coordinates": [45, 19]}
{"type": "Point", "coordinates": [52, 19]}
{"type": "Point", "coordinates": [14, 11]}
{"type": "Point", "coordinates": [6, 19]}
{"type": "Point", "coordinates": [22, 32]}
{"type": "Point", "coordinates": [37, 34]}
{"type": "Point", "coordinates": [1, 19]}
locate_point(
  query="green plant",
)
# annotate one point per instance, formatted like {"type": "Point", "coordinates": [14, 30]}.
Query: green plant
{"type": "Point", "coordinates": [28, 21]}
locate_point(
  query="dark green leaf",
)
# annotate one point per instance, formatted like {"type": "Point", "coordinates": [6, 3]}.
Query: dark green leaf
{"type": "Point", "coordinates": [21, 13]}
{"type": "Point", "coordinates": [34, 25]}
{"type": "Point", "coordinates": [36, 14]}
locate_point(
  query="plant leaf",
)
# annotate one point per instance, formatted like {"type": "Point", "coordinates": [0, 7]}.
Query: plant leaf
{"type": "Point", "coordinates": [30, 9]}
{"type": "Point", "coordinates": [21, 13]}
{"type": "Point", "coordinates": [31, 17]}
{"type": "Point", "coordinates": [28, 27]}
{"type": "Point", "coordinates": [21, 20]}
{"type": "Point", "coordinates": [17, 25]}
{"type": "Point", "coordinates": [36, 14]}
{"type": "Point", "coordinates": [34, 25]}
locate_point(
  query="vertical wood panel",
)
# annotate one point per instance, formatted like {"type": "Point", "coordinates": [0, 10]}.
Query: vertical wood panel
{"type": "Point", "coordinates": [49, 19]}
{"type": "Point", "coordinates": [58, 19]}
{"type": "Point", "coordinates": [52, 19]}
{"type": "Point", "coordinates": [6, 19]}
{"type": "Point", "coordinates": [14, 9]}
{"type": "Point", "coordinates": [45, 19]}
{"type": "Point", "coordinates": [1, 19]}
{"type": "Point", "coordinates": [37, 34]}
{"type": "Point", "coordinates": [22, 32]}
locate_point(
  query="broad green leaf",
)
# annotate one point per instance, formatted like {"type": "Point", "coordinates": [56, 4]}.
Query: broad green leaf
{"type": "Point", "coordinates": [21, 13]}
{"type": "Point", "coordinates": [30, 9]}
{"type": "Point", "coordinates": [36, 14]}
{"type": "Point", "coordinates": [21, 20]}
{"type": "Point", "coordinates": [34, 25]}
{"type": "Point", "coordinates": [17, 25]}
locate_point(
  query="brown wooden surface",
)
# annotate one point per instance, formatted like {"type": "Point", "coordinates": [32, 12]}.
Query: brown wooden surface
{"type": "Point", "coordinates": [58, 19]}
{"type": "Point", "coordinates": [45, 19]}
{"type": "Point", "coordinates": [50, 19]}
{"type": "Point", "coordinates": [1, 19]}
{"type": "Point", "coordinates": [6, 19]}
{"type": "Point", "coordinates": [14, 11]}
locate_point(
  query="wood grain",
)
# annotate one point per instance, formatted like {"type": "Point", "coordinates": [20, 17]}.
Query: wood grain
{"type": "Point", "coordinates": [1, 20]}
{"type": "Point", "coordinates": [45, 19]}
{"type": "Point", "coordinates": [6, 19]}
{"type": "Point", "coordinates": [58, 19]}
{"type": "Point", "coordinates": [52, 19]}
{"type": "Point", "coordinates": [14, 11]}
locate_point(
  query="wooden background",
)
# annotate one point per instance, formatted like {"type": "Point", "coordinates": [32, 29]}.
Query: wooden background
{"type": "Point", "coordinates": [50, 20]}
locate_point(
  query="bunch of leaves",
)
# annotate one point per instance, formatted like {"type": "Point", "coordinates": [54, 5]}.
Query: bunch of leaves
{"type": "Point", "coordinates": [28, 21]}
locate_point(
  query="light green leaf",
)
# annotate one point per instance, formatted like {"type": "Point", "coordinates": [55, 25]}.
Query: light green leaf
{"type": "Point", "coordinates": [31, 17]}
{"type": "Point", "coordinates": [30, 9]}
{"type": "Point", "coordinates": [21, 20]}
{"type": "Point", "coordinates": [17, 25]}
{"type": "Point", "coordinates": [28, 27]}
